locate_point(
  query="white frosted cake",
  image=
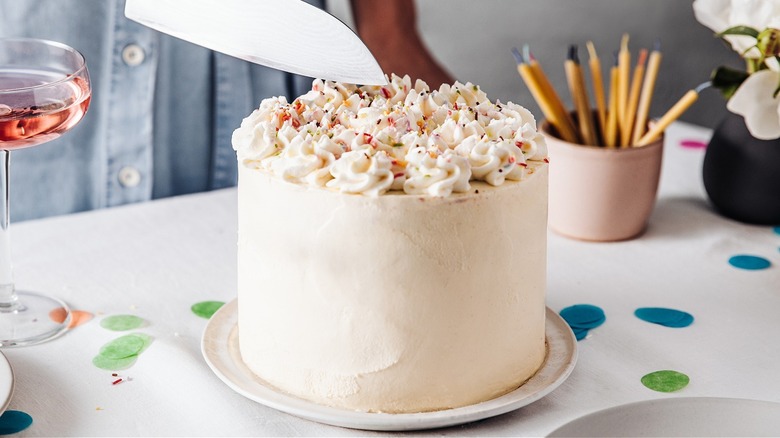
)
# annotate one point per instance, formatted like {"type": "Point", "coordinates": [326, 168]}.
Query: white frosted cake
{"type": "Point", "coordinates": [391, 245]}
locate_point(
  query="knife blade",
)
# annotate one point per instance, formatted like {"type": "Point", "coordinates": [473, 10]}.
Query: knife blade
{"type": "Point", "coordinates": [288, 35]}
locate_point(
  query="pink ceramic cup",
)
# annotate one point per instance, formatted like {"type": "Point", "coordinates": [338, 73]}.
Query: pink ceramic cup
{"type": "Point", "coordinates": [598, 193]}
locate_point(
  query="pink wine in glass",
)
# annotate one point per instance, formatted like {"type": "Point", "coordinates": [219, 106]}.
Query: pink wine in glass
{"type": "Point", "coordinates": [33, 116]}
{"type": "Point", "coordinates": [44, 92]}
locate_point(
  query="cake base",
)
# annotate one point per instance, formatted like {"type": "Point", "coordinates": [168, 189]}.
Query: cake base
{"type": "Point", "coordinates": [220, 350]}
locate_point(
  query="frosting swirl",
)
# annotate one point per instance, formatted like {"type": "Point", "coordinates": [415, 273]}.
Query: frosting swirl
{"type": "Point", "coordinates": [398, 137]}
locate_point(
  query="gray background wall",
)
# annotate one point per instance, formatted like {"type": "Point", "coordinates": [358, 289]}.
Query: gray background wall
{"type": "Point", "coordinates": [473, 40]}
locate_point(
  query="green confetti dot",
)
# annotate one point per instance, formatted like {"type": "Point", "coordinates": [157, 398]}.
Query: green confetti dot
{"type": "Point", "coordinates": [665, 381]}
{"type": "Point", "coordinates": [122, 352]}
{"type": "Point", "coordinates": [126, 346]}
{"type": "Point", "coordinates": [205, 309]}
{"type": "Point", "coordinates": [121, 323]}
{"type": "Point", "coordinates": [114, 364]}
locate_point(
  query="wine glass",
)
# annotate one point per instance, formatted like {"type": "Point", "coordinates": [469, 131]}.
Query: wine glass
{"type": "Point", "coordinates": [44, 91]}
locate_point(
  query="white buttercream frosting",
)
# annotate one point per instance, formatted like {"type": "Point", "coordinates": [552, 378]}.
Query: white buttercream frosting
{"type": "Point", "coordinates": [392, 303]}
{"type": "Point", "coordinates": [429, 297]}
{"type": "Point", "coordinates": [398, 137]}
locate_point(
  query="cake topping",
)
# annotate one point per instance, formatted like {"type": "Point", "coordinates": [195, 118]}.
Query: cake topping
{"type": "Point", "coordinates": [397, 137]}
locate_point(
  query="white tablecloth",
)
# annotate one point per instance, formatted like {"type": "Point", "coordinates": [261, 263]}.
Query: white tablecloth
{"type": "Point", "coordinates": [155, 260]}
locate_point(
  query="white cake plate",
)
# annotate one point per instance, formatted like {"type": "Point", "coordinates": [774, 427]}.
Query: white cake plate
{"type": "Point", "coordinates": [679, 416]}
{"type": "Point", "coordinates": [6, 382]}
{"type": "Point", "coordinates": [220, 349]}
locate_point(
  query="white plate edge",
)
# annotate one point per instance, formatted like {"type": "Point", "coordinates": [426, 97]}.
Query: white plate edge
{"type": "Point", "coordinates": [591, 416]}
{"type": "Point", "coordinates": [211, 347]}
{"type": "Point", "coordinates": [5, 396]}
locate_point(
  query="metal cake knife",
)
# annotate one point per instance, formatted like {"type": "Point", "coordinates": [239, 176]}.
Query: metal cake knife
{"type": "Point", "coordinates": [288, 35]}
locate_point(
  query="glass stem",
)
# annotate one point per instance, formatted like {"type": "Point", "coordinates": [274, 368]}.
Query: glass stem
{"type": "Point", "coordinates": [8, 299]}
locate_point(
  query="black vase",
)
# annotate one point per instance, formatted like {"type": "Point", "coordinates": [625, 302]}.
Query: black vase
{"type": "Point", "coordinates": [742, 174]}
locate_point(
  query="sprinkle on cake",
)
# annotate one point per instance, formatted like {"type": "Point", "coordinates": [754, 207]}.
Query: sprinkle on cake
{"type": "Point", "coordinates": [398, 137]}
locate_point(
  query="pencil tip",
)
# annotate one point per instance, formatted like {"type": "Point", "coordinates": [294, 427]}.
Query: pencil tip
{"type": "Point", "coordinates": [591, 50]}
{"type": "Point", "coordinates": [702, 86]}
{"type": "Point", "coordinates": [624, 42]}
{"type": "Point", "coordinates": [657, 46]}
{"type": "Point", "coordinates": [517, 55]}
{"type": "Point", "coordinates": [573, 55]}
{"type": "Point", "coordinates": [527, 55]}
{"type": "Point", "coordinates": [642, 58]}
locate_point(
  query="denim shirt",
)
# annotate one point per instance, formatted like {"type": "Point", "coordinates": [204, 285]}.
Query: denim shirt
{"type": "Point", "coordinates": [161, 117]}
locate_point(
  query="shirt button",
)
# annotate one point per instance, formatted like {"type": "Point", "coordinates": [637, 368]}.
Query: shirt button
{"type": "Point", "coordinates": [129, 176]}
{"type": "Point", "coordinates": [133, 55]}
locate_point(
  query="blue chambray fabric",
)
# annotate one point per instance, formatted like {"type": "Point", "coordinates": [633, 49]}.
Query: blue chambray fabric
{"type": "Point", "coordinates": [170, 117]}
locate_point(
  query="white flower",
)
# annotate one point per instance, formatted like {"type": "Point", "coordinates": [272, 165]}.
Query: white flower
{"type": "Point", "coordinates": [756, 101]}
{"type": "Point", "coordinates": [720, 15]}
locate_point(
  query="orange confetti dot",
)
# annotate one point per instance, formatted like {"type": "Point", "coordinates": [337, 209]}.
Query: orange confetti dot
{"type": "Point", "coordinates": [77, 317]}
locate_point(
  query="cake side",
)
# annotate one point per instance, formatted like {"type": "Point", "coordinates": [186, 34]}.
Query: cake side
{"type": "Point", "coordinates": [396, 303]}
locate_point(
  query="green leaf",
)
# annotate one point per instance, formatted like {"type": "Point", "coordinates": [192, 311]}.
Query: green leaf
{"type": "Point", "coordinates": [740, 30]}
{"type": "Point", "coordinates": [727, 80]}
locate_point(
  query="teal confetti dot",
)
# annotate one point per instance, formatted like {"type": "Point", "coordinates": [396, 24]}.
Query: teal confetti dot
{"type": "Point", "coordinates": [665, 381]}
{"type": "Point", "coordinates": [14, 421]}
{"type": "Point", "coordinates": [665, 317]}
{"type": "Point", "coordinates": [582, 318]}
{"type": "Point", "coordinates": [776, 229]}
{"type": "Point", "coordinates": [749, 262]}
{"type": "Point", "coordinates": [206, 309]}
{"type": "Point", "coordinates": [121, 323]}
{"type": "Point", "coordinates": [585, 316]}
{"type": "Point", "coordinates": [580, 333]}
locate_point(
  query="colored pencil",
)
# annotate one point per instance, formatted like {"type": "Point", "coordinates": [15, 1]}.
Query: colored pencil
{"type": "Point", "coordinates": [545, 104]}
{"type": "Point", "coordinates": [579, 95]}
{"type": "Point", "coordinates": [549, 91]}
{"type": "Point", "coordinates": [610, 137]}
{"type": "Point", "coordinates": [673, 114]}
{"type": "Point", "coordinates": [624, 70]}
{"type": "Point", "coordinates": [633, 97]}
{"type": "Point", "coordinates": [646, 97]}
{"type": "Point", "coordinates": [598, 88]}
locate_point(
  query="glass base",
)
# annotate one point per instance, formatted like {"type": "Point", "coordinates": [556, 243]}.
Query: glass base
{"type": "Point", "coordinates": [33, 319]}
